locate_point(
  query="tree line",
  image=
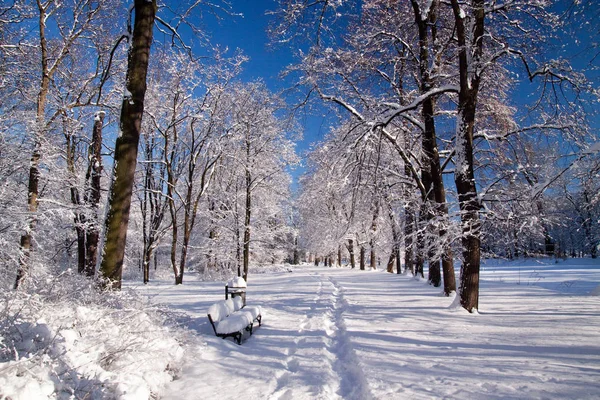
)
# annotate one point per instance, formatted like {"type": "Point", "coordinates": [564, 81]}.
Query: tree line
{"type": "Point", "coordinates": [461, 128]}
{"type": "Point", "coordinates": [124, 144]}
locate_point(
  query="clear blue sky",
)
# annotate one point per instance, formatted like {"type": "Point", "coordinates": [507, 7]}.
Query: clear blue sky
{"type": "Point", "coordinates": [249, 33]}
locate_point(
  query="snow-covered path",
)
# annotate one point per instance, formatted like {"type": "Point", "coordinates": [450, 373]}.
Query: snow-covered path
{"type": "Point", "coordinates": [333, 333]}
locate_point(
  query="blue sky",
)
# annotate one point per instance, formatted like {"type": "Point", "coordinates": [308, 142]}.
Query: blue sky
{"type": "Point", "coordinates": [249, 33]}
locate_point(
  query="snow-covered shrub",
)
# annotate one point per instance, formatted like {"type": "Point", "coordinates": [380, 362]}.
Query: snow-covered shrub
{"type": "Point", "coordinates": [67, 339]}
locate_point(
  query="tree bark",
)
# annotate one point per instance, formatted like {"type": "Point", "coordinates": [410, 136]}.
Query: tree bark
{"type": "Point", "coordinates": [391, 262]}
{"type": "Point", "coordinates": [246, 255]}
{"type": "Point", "coordinates": [409, 221]}
{"type": "Point", "coordinates": [92, 197]}
{"type": "Point", "coordinates": [362, 258]}
{"type": "Point", "coordinates": [79, 218]}
{"type": "Point", "coordinates": [34, 173]}
{"type": "Point", "coordinates": [126, 147]}
{"type": "Point", "coordinates": [373, 256]}
{"type": "Point", "coordinates": [469, 56]}
{"type": "Point", "coordinates": [350, 247]}
{"type": "Point", "coordinates": [433, 180]}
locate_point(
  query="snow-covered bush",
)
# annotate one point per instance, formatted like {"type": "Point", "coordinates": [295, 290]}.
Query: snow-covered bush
{"type": "Point", "coordinates": [66, 339]}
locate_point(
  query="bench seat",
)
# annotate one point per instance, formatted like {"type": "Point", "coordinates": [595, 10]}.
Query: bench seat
{"type": "Point", "coordinates": [229, 318]}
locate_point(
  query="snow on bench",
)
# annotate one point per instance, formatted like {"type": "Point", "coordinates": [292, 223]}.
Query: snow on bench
{"type": "Point", "coordinates": [230, 318]}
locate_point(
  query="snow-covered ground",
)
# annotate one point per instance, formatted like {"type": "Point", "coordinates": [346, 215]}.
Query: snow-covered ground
{"type": "Point", "coordinates": [328, 333]}
{"type": "Point", "coordinates": [331, 333]}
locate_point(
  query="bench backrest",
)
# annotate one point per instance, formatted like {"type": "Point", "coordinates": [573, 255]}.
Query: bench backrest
{"type": "Point", "coordinates": [221, 309]}
{"type": "Point", "coordinates": [238, 303]}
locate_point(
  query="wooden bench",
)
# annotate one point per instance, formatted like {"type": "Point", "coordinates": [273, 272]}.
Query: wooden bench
{"type": "Point", "coordinates": [230, 318]}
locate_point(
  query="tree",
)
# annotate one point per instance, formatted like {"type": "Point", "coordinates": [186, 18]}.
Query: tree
{"type": "Point", "coordinates": [73, 21]}
{"type": "Point", "coordinates": [126, 147]}
{"type": "Point", "coordinates": [264, 151]}
{"type": "Point", "coordinates": [368, 64]}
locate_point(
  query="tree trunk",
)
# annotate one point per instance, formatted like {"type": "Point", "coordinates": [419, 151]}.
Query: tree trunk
{"type": "Point", "coordinates": [126, 147]}
{"type": "Point", "coordinates": [79, 218]}
{"type": "Point", "coordinates": [432, 172]}
{"type": "Point", "coordinates": [373, 263]}
{"type": "Point", "coordinates": [350, 247]}
{"type": "Point", "coordinates": [362, 258]}
{"type": "Point", "coordinates": [296, 255]}
{"type": "Point", "coordinates": [187, 233]}
{"type": "Point", "coordinates": [395, 255]}
{"type": "Point", "coordinates": [34, 173]}
{"type": "Point", "coordinates": [391, 262]}
{"type": "Point", "coordinates": [469, 55]}
{"type": "Point", "coordinates": [93, 195]}
{"type": "Point", "coordinates": [147, 258]}
{"type": "Point", "coordinates": [246, 255]}
{"type": "Point", "coordinates": [339, 256]}
{"type": "Point", "coordinates": [420, 243]}
{"type": "Point", "coordinates": [409, 224]}
{"type": "Point", "coordinates": [408, 240]}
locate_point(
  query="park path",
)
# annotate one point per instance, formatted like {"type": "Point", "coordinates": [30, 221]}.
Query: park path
{"type": "Point", "coordinates": [333, 333]}
{"type": "Point", "coordinates": [303, 350]}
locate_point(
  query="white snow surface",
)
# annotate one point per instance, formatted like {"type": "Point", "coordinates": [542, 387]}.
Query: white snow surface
{"type": "Point", "coordinates": [327, 333]}
{"type": "Point", "coordinates": [237, 282]}
{"type": "Point", "coordinates": [235, 322]}
{"type": "Point", "coordinates": [337, 333]}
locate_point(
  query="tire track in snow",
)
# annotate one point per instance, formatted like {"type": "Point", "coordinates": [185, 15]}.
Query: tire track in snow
{"type": "Point", "coordinates": [353, 383]}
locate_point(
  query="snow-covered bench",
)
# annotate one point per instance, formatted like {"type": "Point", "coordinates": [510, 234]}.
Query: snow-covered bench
{"type": "Point", "coordinates": [230, 318]}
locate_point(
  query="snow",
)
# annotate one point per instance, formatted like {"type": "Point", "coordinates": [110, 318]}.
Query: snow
{"type": "Point", "coordinates": [116, 347]}
{"type": "Point", "coordinates": [593, 149]}
{"type": "Point", "coordinates": [237, 282]}
{"type": "Point", "coordinates": [237, 303]}
{"type": "Point", "coordinates": [336, 333]}
{"type": "Point", "coordinates": [235, 322]}
{"type": "Point", "coordinates": [331, 333]}
{"type": "Point", "coordinates": [100, 115]}
{"type": "Point", "coordinates": [220, 310]}
{"type": "Point", "coordinates": [254, 311]}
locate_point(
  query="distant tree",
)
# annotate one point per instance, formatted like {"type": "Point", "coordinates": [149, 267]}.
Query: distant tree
{"type": "Point", "coordinates": [264, 151]}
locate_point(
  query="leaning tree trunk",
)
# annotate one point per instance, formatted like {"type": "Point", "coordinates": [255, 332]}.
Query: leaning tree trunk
{"type": "Point", "coordinates": [126, 147]}
{"type": "Point", "coordinates": [93, 195]}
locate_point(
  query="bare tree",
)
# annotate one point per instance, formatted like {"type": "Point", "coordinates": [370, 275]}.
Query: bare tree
{"type": "Point", "coordinates": [74, 20]}
{"type": "Point", "coordinates": [126, 147]}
